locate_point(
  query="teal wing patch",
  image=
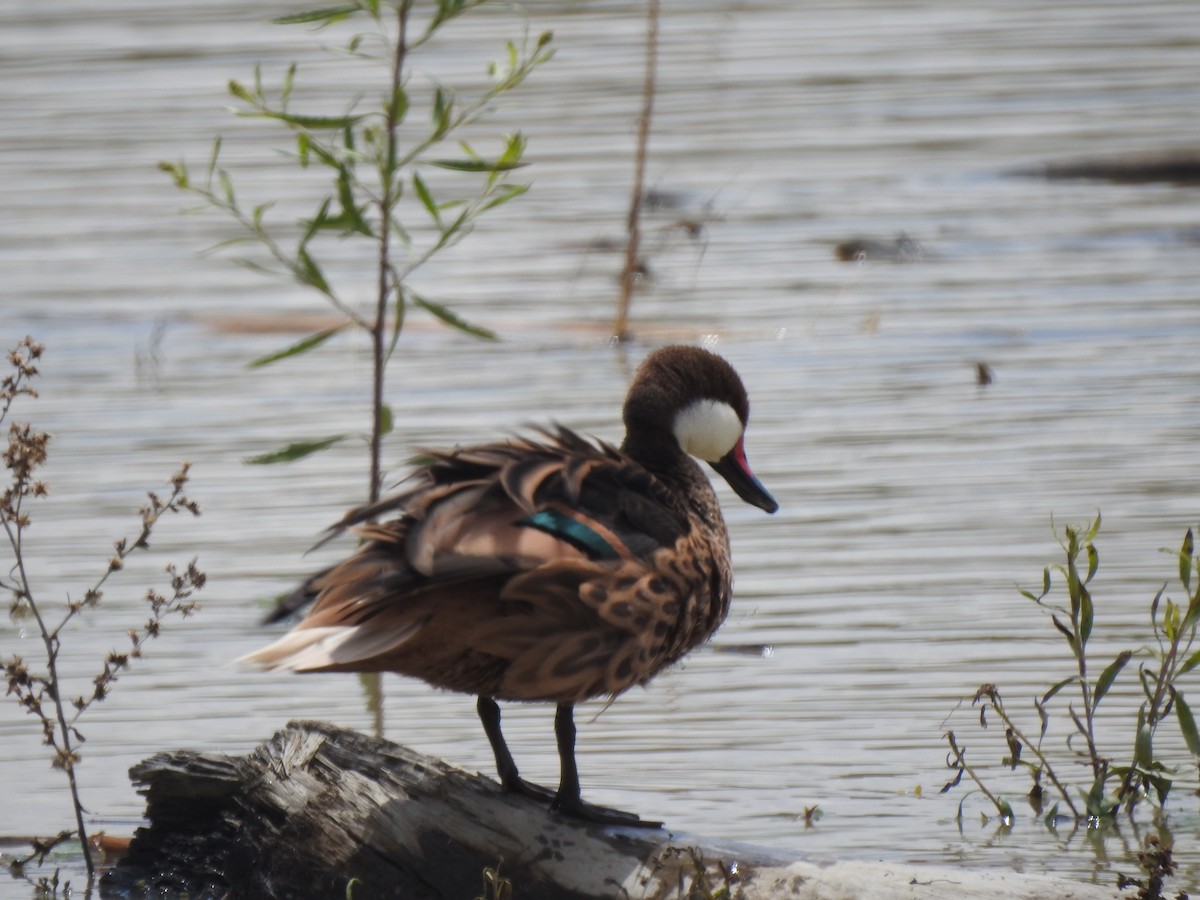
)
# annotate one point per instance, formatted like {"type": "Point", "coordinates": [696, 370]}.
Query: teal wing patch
{"type": "Point", "coordinates": [574, 532]}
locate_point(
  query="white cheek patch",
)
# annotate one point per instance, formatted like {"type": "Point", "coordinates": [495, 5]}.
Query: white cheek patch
{"type": "Point", "coordinates": [708, 429]}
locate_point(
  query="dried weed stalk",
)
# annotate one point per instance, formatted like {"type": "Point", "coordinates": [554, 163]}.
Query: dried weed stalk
{"type": "Point", "coordinates": [40, 690]}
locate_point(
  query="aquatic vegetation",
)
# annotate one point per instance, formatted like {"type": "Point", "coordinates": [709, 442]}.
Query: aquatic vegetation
{"type": "Point", "coordinates": [1157, 864]}
{"type": "Point", "coordinates": [381, 205]}
{"type": "Point", "coordinates": [1123, 780]}
{"type": "Point", "coordinates": [41, 687]}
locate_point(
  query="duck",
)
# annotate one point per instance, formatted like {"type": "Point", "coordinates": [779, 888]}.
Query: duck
{"type": "Point", "coordinates": [547, 568]}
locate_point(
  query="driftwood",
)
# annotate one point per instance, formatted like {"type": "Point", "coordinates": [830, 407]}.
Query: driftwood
{"type": "Point", "coordinates": [317, 807]}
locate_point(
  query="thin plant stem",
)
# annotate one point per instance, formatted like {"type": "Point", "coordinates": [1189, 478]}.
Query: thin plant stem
{"type": "Point", "coordinates": [998, 706]}
{"type": "Point", "coordinates": [387, 202]}
{"type": "Point", "coordinates": [633, 221]}
{"type": "Point", "coordinates": [66, 752]}
{"type": "Point", "coordinates": [958, 760]}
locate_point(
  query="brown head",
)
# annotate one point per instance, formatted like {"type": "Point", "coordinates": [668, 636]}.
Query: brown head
{"type": "Point", "coordinates": [688, 400]}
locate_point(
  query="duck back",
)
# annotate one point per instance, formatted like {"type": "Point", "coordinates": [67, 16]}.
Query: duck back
{"type": "Point", "coordinates": [546, 569]}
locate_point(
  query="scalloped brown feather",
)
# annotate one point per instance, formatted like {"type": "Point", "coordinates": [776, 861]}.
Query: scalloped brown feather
{"type": "Point", "coordinates": [461, 592]}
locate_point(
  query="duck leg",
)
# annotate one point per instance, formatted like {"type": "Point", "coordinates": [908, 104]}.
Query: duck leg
{"type": "Point", "coordinates": [568, 800]}
{"type": "Point", "coordinates": [489, 715]}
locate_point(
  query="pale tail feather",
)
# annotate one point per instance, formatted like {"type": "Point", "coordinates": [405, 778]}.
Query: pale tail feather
{"type": "Point", "coordinates": [313, 649]}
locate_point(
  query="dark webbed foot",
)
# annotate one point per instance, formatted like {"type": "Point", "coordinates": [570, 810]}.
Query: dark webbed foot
{"type": "Point", "coordinates": [577, 808]}
{"type": "Point", "coordinates": [514, 784]}
{"type": "Point", "coordinates": [568, 801]}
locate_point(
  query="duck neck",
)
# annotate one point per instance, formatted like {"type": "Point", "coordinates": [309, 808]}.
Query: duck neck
{"type": "Point", "coordinates": [665, 459]}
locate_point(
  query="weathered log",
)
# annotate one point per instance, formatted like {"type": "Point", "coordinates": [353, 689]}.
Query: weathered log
{"type": "Point", "coordinates": [317, 807]}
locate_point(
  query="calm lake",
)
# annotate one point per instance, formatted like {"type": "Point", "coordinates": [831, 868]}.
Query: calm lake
{"type": "Point", "coordinates": [913, 500]}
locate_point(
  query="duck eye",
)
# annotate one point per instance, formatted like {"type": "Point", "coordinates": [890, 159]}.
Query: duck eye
{"type": "Point", "coordinates": [707, 429]}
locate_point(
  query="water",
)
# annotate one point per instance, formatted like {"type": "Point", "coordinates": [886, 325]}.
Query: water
{"type": "Point", "coordinates": [912, 499]}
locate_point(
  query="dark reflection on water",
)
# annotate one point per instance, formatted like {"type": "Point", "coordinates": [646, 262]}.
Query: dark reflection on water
{"type": "Point", "coordinates": [913, 499]}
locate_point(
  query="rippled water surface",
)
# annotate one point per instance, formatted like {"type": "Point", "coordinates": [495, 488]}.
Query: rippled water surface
{"type": "Point", "coordinates": [913, 500]}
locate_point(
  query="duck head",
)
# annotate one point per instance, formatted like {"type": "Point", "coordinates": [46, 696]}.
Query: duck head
{"type": "Point", "coordinates": [686, 399]}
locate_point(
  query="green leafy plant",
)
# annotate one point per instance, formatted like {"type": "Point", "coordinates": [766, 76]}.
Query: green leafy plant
{"type": "Point", "coordinates": [41, 688]}
{"type": "Point", "coordinates": [378, 158]}
{"type": "Point", "coordinates": [1113, 782]}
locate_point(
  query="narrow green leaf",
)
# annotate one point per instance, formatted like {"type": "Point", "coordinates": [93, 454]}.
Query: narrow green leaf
{"type": "Point", "coordinates": [386, 420]}
{"type": "Point", "coordinates": [422, 191]}
{"type": "Point", "coordinates": [1105, 681]}
{"type": "Point", "coordinates": [1087, 615]}
{"type": "Point", "coordinates": [303, 143]}
{"type": "Point", "coordinates": [178, 173]}
{"type": "Point", "coordinates": [442, 107]}
{"type": "Point", "coordinates": [514, 149]}
{"type": "Point", "coordinates": [309, 343]}
{"type": "Point", "coordinates": [397, 318]}
{"type": "Point", "coordinates": [1187, 724]}
{"type": "Point", "coordinates": [453, 320]}
{"type": "Point", "coordinates": [475, 165]}
{"type": "Point", "coordinates": [469, 151]}
{"type": "Point", "coordinates": [1143, 749]}
{"type": "Point", "coordinates": [316, 223]}
{"type": "Point", "coordinates": [1185, 561]}
{"type": "Point", "coordinates": [507, 192]}
{"type": "Point", "coordinates": [212, 159]}
{"type": "Point", "coordinates": [1045, 587]}
{"type": "Point", "coordinates": [1093, 563]}
{"type": "Point", "coordinates": [347, 221]}
{"type": "Point", "coordinates": [1162, 787]}
{"type": "Point", "coordinates": [321, 152]}
{"type": "Point", "coordinates": [398, 108]}
{"type": "Point", "coordinates": [326, 16]}
{"type": "Point", "coordinates": [1074, 585]}
{"type": "Point", "coordinates": [239, 90]}
{"type": "Point", "coordinates": [1193, 613]}
{"type": "Point", "coordinates": [227, 187]}
{"type": "Point", "coordinates": [1171, 620]}
{"type": "Point", "coordinates": [289, 82]}
{"type": "Point", "coordinates": [1146, 677]}
{"type": "Point", "coordinates": [308, 272]}
{"type": "Point", "coordinates": [446, 10]}
{"type": "Point", "coordinates": [1190, 663]}
{"type": "Point", "coordinates": [260, 211]}
{"type": "Point", "coordinates": [1043, 717]}
{"type": "Point", "coordinates": [295, 451]}
{"type": "Point", "coordinates": [455, 229]}
{"type": "Point", "coordinates": [1154, 607]}
{"type": "Point", "coordinates": [1095, 800]}
{"type": "Point", "coordinates": [1067, 632]}
{"type": "Point", "coordinates": [508, 159]}
{"type": "Point", "coordinates": [351, 215]}
{"type": "Point", "coordinates": [314, 123]}
{"type": "Point", "coordinates": [1058, 687]}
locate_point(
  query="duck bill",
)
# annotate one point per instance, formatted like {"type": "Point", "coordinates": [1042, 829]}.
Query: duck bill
{"type": "Point", "coordinates": [734, 468]}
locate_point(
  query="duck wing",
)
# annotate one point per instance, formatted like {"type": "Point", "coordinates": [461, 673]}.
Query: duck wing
{"type": "Point", "coordinates": [498, 551]}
